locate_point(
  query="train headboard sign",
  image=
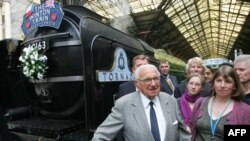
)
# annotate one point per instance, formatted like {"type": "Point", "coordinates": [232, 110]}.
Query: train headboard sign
{"type": "Point", "coordinates": [119, 71]}
{"type": "Point", "coordinates": [48, 13]}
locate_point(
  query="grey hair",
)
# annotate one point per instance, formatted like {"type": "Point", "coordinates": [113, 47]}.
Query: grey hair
{"type": "Point", "coordinates": [146, 66]}
{"type": "Point", "coordinates": [243, 58]}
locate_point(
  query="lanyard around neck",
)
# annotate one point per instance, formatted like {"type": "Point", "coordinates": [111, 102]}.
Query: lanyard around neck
{"type": "Point", "coordinates": [213, 126]}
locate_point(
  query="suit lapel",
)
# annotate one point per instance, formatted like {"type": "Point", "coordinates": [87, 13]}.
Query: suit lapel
{"type": "Point", "coordinates": [173, 80]}
{"type": "Point", "coordinates": [140, 117]}
{"type": "Point", "coordinates": [166, 111]}
{"type": "Point", "coordinates": [165, 85]}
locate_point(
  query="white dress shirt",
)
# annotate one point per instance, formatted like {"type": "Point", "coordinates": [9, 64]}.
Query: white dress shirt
{"type": "Point", "coordinates": [159, 114]}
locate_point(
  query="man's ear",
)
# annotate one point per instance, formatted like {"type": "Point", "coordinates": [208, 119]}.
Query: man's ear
{"type": "Point", "coordinates": [133, 69]}
{"type": "Point", "coordinates": [136, 83]}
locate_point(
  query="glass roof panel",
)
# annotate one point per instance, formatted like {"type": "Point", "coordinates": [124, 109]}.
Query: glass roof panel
{"type": "Point", "coordinates": [210, 26]}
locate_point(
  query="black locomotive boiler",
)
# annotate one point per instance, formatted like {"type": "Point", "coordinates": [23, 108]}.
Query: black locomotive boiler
{"type": "Point", "coordinates": [87, 60]}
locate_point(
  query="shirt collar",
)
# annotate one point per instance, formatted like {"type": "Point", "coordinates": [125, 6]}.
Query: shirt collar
{"type": "Point", "coordinates": [145, 100]}
{"type": "Point", "coordinates": [166, 76]}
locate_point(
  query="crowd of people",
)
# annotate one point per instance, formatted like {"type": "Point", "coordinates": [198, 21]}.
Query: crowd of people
{"type": "Point", "coordinates": [158, 108]}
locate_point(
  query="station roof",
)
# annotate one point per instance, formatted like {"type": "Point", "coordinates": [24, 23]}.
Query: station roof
{"type": "Point", "coordinates": [184, 28]}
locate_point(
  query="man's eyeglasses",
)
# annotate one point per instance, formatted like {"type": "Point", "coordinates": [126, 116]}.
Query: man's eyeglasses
{"type": "Point", "coordinates": [149, 80]}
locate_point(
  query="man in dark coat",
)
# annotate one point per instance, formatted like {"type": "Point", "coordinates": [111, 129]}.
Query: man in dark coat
{"type": "Point", "coordinates": [168, 82]}
{"type": "Point", "coordinates": [129, 87]}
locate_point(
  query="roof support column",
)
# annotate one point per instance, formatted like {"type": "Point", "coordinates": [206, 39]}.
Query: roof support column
{"type": "Point", "coordinates": [1, 20]}
{"type": "Point", "coordinates": [7, 18]}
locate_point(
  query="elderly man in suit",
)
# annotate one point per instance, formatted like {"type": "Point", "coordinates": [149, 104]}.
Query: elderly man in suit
{"type": "Point", "coordinates": [146, 114]}
{"type": "Point", "coordinates": [128, 87]}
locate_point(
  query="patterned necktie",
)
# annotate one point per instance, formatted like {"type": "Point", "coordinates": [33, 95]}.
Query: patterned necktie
{"type": "Point", "coordinates": [154, 123]}
{"type": "Point", "coordinates": [170, 84]}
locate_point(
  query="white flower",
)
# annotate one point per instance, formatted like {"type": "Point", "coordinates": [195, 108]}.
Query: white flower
{"type": "Point", "coordinates": [31, 56]}
{"type": "Point", "coordinates": [36, 56]}
{"type": "Point", "coordinates": [43, 58]}
{"type": "Point", "coordinates": [27, 73]}
{"type": "Point", "coordinates": [21, 59]}
{"type": "Point", "coordinates": [32, 71]}
{"type": "Point", "coordinates": [33, 63]}
{"type": "Point", "coordinates": [39, 76]}
{"type": "Point", "coordinates": [25, 68]}
{"type": "Point", "coordinates": [27, 50]}
{"type": "Point", "coordinates": [39, 67]}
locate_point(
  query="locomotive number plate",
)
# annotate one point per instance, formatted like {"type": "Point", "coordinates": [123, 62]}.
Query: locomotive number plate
{"type": "Point", "coordinates": [40, 45]}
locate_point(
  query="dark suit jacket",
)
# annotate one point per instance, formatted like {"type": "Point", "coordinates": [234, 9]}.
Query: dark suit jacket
{"type": "Point", "coordinates": [164, 85]}
{"type": "Point", "coordinates": [180, 89]}
{"type": "Point", "coordinates": [126, 88]}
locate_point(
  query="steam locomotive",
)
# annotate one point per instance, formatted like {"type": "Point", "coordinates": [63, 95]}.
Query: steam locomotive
{"type": "Point", "coordinates": [87, 60]}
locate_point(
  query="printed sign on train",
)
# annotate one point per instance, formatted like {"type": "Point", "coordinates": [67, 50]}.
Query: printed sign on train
{"type": "Point", "coordinates": [119, 71]}
{"type": "Point", "coordinates": [47, 14]}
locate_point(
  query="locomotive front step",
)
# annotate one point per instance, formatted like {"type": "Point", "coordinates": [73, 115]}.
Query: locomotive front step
{"type": "Point", "coordinates": [45, 128]}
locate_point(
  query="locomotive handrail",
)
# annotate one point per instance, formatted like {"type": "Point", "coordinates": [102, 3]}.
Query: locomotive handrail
{"type": "Point", "coordinates": [102, 35]}
{"type": "Point", "coordinates": [67, 43]}
{"type": "Point", "coordinates": [113, 41]}
{"type": "Point", "coordinates": [47, 36]}
{"type": "Point", "coordinates": [60, 79]}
